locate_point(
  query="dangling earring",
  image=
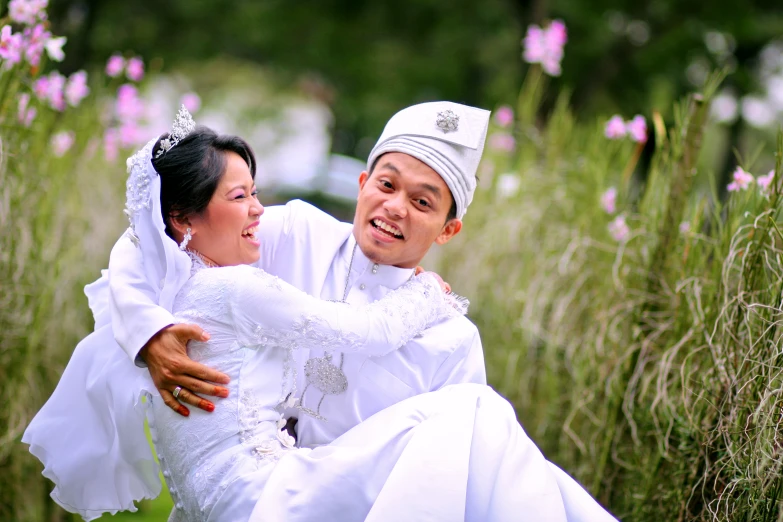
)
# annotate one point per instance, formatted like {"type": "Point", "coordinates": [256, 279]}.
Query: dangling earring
{"type": "Point", "coordinates": [185, 240]}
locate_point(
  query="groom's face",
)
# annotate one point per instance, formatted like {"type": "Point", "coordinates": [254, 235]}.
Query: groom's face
{"type": "Point", "coordinates": [402, 209]}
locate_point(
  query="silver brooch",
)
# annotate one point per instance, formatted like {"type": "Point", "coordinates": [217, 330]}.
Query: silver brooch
{"type": "Point", "coordinates": [325, 377]}
{"type": "Point", "coordinates": [447, 121]}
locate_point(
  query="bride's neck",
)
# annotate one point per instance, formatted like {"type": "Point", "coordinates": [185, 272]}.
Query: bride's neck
{"type": "Point", "coordinates": [204, 259]}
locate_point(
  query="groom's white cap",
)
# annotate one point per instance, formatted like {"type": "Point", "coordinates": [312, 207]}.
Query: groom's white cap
{"type": "Point", "coordinates": [448, 137]}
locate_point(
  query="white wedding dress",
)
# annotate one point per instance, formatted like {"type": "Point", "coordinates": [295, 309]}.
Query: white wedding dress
{"type": "Point", "coordinates": [451, 455]}
{"type": "Point", "coordinates": [455, 454]}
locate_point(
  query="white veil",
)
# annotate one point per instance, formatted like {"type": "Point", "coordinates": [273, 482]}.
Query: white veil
{"type": "Point", "coordinates": [90, 433]}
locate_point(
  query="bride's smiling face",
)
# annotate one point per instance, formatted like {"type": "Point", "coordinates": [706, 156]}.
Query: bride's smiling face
{"type": "Point", "coordinates": [224, 233]}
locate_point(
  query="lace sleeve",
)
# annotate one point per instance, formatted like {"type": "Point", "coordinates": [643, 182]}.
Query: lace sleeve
{"type": "Point", "coordinates": [268, 311]}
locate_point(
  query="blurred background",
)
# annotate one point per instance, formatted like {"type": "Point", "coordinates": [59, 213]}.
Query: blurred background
{"type": "Point", "coordinates": [333, 72]}
{"type": "Point", "coordinates": [622, 254]}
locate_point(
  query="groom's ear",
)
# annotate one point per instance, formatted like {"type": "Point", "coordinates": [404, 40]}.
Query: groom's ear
{"type": "Point", "coordinates": [363, 179]}
{"type": "Point", "coordinates": [450, 229]}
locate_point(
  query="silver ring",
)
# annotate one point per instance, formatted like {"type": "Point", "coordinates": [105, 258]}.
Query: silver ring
{"type": "Point", "coordinates": [176, 391]}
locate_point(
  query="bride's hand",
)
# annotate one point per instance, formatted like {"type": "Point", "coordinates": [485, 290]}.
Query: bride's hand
{"type": "Point", "coordinates": [443, 284]}
{"type": "Point", "coordinates": [170, 367]}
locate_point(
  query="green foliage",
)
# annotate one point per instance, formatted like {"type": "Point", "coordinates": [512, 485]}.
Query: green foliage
{"type": "Point", "coordinates": [373, 58]}
{"type": "Point", "coordinates": [649, 368]}
{"type": "Point", "coordinates": [52, 211]}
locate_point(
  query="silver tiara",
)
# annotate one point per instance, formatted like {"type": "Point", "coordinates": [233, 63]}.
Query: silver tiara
{"type": "Point", "coordinates": [183, 125]}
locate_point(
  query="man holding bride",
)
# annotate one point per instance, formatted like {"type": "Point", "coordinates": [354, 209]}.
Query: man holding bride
{"type": "Point", "coordinates": [382, 370]}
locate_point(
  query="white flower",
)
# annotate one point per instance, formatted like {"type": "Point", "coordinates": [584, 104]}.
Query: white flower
{"type": "Point", "coordinates": [54, 48]}
{"type": "Point", "coordinates": [281, 423]}
{"type": "Point", "coordinates": [266, 447]}
{"type": "Point", "coordinates": [508, 185]}
{"type": "Point", "coordinates": [724, 108]}
{"type": "Point", "coordinates": [285, 439]}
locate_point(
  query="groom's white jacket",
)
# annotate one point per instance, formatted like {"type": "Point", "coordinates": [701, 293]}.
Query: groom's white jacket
{"type": "Point", "coordinates": [310, 250]}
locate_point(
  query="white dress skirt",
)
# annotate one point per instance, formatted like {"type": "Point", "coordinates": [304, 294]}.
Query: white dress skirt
{"type": "Point", "coordinates": [454, 454]}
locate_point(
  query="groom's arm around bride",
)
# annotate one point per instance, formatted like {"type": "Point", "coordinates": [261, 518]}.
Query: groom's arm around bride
{"type": "Point", "coordinates": [418, 184]}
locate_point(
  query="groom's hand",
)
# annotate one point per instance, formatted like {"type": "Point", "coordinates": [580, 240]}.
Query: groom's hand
{"type": "Point", "coordinates": [169, 366]}
{"type": "Point", "coordinates": [443, 284]}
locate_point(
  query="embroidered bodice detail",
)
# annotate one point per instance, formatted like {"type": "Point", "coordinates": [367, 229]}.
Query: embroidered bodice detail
{"type": "Point", "coordinates": [255, 321]}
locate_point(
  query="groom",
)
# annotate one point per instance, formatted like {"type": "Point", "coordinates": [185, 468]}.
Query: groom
{"type": "Point", "coordinates": [419, 182]}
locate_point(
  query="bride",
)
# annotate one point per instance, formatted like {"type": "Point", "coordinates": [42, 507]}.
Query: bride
{"type": "Point", "coordinates": [454, 454]}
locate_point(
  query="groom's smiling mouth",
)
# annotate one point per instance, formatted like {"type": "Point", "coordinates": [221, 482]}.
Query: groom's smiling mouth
{"type": "Point", "coordinates": [387, 229]}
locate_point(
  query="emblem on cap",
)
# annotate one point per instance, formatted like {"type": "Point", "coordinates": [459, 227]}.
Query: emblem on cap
{"type": "Point", "coordinates": [447, 121]}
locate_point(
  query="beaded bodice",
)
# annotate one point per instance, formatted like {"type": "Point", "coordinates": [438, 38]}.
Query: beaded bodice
{"type": "Point", "coordinates": [255, 321]}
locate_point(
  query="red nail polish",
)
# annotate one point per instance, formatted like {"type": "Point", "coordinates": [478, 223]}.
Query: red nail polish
{"type": "Point", "coordinates": [184, 412]}
{"type": "Point", "coordinates": [209, 407]}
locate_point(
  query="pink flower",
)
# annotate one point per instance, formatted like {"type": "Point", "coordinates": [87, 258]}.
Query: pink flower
{"type": "Point", "coordinates": [19, 11]}
{"type": "Point", "coordinates": [55, 92]}
{"type": "Point", "coordinates": [24, 101]}
{"type": "Point", "coordinates": [685, 227]}
{"type": "Point", "coordinates": [504, 116]}
{"type": "Point", "coordinates": [609, 200]}
{"type": "Point", "coordinates": [27, 11]}
{"type": "Point", "coordinates": [535, 49]}
{"type": "Point", "coordinates": [129, 106]}
{"type": "Point", "coordinates": [135, 69]}
{"type": "Point", "coordinates": [129, 134]}
{"type": "Point", "coordinates": [742, 180]}
{"type": "Point", "coordinates": [41, 88]}
{"type": "Point", "coordinates": [111, 144]}
{"type": "Point", "coordinates": [115, 65]}
{"type": "Point", "coordinates": [191, 101]}
{"type": "Point", "coordinates": [615, 128]}
{"type": "Point", "coordinates": [35, 41]}
{"type": "Point", "coordinates": [26, 113]}
{"type": "Point", "coordinates": [62, 143]}
{"type": "Point", "coordinates": [502, 141]}
{"type": "Point", "coordinates": [764, 181]}
{"type": "Point", "coordinates": [555, 38]}
{"type": "Point", "coordinates": [619, 229]}
{"type": "Point", "coordinates": [556, 35]}
{"type": "Point", "coordinates": [637, 129]}
{"type": "Point", "coordinates": [29, 117]}
{"type": "Point", "coordinates": [551, 66]}
{"type": "Point", "coordinates": [545, 46]}
{"type": "Point", "coordinates": [76, 89]}
{"type": "Point", "coordinates": [50, 89]}
{"type": "Point", "coordinates": [10, 46]}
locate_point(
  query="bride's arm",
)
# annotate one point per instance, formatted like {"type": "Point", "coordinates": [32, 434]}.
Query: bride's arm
{"type": "Point", "coordinates": [266, 310]}
{"type": "Point", "coordinates": [133, 300]}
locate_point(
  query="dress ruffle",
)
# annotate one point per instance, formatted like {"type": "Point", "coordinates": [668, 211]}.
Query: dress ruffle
{"type": "Point", "coordinates": [90, 433]}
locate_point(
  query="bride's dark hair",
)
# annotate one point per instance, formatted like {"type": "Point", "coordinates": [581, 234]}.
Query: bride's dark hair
{"type": "Point", "coordinates": [190, 171]}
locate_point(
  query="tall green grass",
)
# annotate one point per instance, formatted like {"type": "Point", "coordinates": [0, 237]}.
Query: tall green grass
{"type": "Point", "coordinates": [58, 219]}
{"type": "Point", "coordinates": [650, 368]}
